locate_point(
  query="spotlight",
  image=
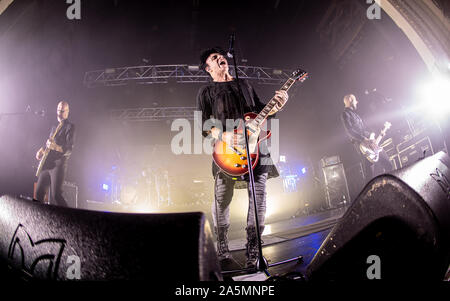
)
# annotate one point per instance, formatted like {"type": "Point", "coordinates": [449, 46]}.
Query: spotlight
{"type": "Point", "coordinates": [436, 97]}
{"type": "Point", "coordinates": [105, 187]}
{"type": "Point", "coordinates": [303, 170]}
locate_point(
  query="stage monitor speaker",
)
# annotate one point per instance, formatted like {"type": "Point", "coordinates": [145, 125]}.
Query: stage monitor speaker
{"type": "Point", "coordinates": [398, 228]}
{"type": "Point", "coordinates": [39, 241]}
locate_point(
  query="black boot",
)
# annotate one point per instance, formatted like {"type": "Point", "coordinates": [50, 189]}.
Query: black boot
{"type": "Point", "coordinates": [252, 251]}
{"type": "Point", "coordinates": [223, 253]}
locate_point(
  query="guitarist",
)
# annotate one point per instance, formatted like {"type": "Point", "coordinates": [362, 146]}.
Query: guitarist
{"type": "Point", "coordinates": [220, 100]}
{"type": "Point", "coordinates": [356, 131]}
{"type": "Point", "coordinates": [55, 166]}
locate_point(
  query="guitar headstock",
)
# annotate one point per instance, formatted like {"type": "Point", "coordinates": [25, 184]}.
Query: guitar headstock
{"type": "Point", "coordinates": [299, 75]}
{"type": "Point", "coordinates": [387, 126]}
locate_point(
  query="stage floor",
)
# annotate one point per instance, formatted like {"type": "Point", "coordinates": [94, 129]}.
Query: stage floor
{"type": "Point", "coordinates": [299, 236]}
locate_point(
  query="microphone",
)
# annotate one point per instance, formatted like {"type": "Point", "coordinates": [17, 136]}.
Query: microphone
{"type": "Point", "coordinates": [231, 48]}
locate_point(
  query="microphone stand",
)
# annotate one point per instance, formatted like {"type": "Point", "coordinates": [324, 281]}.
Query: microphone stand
{"type": "Point", "coordinates": [261, 264]}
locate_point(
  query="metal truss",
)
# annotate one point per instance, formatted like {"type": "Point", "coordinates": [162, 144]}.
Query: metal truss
{"type": "Point", "coordinates": [163, 74]}
{"type": "Point", "coordinates": [153, 114]}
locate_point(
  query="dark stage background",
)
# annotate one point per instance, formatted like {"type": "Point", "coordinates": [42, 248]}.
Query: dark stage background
{"type": "Point", "coordinates": [44, 56]}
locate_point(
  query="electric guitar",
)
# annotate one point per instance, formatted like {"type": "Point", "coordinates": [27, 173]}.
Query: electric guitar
{"type": "Point", "coordinates": [371, 150]}
{"type": "Point", "coordinates": [232, 159]}
{"type": "Point", "coordinates": [47, 151]}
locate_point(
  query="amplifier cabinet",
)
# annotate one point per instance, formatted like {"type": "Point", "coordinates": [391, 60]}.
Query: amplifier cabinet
{"type": "Point", "coordinates": [413, 150]}
{"type": "Point", "coordinates": [395, 161]}
{"type": "Point", "coordinates": [70, 194]}
{"type": "Point", "coordinates": [336, 188]}
{"type": "Point", "coordinates": [389, 147]}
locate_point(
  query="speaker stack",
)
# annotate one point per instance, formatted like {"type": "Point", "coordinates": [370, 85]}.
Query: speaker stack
{"type": "Point", "coordinates": [336, 188]}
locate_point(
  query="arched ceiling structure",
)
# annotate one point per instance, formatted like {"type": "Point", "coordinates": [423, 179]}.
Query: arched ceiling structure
{"type": "Point", "coordinates": [427, 27]}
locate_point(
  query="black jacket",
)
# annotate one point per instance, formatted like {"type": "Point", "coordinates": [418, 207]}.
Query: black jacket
{"type": "Point", "coordinates": [64, 138]}
{"type": "Point", "coordinates": [354, 126]}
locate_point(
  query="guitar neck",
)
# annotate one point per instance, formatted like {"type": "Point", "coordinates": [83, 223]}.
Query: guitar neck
{"type": "Point", "coordinates": [377, 142]}
{"type": "Point", "coordinates": [382, 133]}
{"type": "Point", "coordinates": [271, 104]}
{"type": "Point", "coordinates": [47, 150]}
{"type": "Point", "coordinates": [58, 128]}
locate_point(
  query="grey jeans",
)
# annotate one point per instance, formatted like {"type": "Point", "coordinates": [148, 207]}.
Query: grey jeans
{"type": "Point", "coordinates": [223, 191]}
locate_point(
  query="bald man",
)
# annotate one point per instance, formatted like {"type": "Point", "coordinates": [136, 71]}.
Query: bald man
{"type": "Point", "coordinates": [55, 167]}
{"type": "Point", "coordinates": [357, 133]}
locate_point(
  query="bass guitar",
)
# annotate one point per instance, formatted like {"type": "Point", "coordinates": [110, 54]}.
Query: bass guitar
{"type": "Point", "coordinates": [232, 159]}
{"type": "Point", "coordinates": [47, 150]}
{"type": "Point", "coordinates": [371, 149]}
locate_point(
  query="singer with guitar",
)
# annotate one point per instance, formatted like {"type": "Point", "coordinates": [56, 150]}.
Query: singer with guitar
{"type": "Point", "coordinates": [364, 142]}
{"type": "Point", "coordinates": [54, 156]}
{"type": "Point", "coordinates": [221, 100]}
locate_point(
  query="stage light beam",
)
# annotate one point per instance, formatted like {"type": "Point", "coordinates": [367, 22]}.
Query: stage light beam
{"type": "Point", "coordinates": [435, 97]}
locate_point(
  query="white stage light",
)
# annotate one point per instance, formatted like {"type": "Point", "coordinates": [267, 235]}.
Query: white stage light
{"type": "Point", "coordinates": [436, 97]}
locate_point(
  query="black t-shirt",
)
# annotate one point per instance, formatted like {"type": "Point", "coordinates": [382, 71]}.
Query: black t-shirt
{"type": "Point", "coordinates": [221, 101]}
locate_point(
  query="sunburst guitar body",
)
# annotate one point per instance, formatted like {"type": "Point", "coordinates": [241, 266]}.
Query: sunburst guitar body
{"type": "Point", "coordinates": [233, 159]}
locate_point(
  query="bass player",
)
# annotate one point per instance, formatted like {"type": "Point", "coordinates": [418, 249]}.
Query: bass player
{"type": "Point", "coordinates": [356, 131]}
{"type": "Point", "coordinates": [56, 153]}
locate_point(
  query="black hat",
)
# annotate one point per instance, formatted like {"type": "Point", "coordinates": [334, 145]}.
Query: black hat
{"type": "Point", "coordinates": [206, 53]}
